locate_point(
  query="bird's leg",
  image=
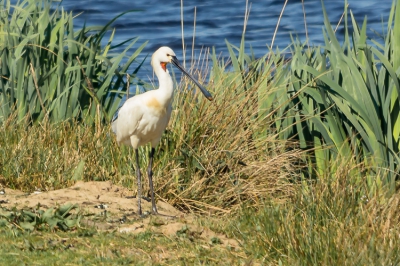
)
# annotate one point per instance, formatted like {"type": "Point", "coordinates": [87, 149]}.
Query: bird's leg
{"type": "Point", "coordinates": [150, 173]}
{"type": "Point", "coordinates": [139, 183]}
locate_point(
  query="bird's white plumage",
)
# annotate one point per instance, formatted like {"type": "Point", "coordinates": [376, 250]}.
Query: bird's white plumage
{"type": "Point", "coordinates": [144, 117]}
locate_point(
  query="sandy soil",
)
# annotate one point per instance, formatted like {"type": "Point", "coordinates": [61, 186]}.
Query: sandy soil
{"type": "Point", "coordinates": [112, 207]}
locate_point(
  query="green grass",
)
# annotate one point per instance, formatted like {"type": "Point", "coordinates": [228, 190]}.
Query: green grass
{"type": "Point", "coordinates": [109, 248]}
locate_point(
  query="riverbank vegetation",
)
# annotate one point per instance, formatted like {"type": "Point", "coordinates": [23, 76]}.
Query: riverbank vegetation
{"type": "Point", "coordinates": [297, 158]}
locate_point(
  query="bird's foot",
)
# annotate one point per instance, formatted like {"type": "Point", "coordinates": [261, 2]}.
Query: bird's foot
{"type": "Point", "coordinates": [155, 212]}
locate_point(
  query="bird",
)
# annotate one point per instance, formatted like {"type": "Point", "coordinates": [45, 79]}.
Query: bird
{"type": "Point", "coordinates": [143, 118]}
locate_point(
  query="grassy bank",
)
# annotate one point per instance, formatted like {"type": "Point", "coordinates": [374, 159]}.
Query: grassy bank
{"type": "Point", "coordinates": [297, 158]}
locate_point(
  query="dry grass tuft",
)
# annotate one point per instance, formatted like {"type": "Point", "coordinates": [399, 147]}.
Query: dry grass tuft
{"type": "Point", "coordinates": [217, 156]}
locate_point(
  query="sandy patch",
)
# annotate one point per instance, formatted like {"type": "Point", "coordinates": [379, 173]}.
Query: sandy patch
{"type": "Point", "coordinates": [112, 207]}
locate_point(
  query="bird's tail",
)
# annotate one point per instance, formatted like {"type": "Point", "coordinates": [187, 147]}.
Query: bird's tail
{"type": "Point", "coordinates": [114, 121]}
{"type": "Point", "coordinates": [114, 125]}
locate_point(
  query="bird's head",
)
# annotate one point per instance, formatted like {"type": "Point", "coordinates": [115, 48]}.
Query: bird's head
{"type": "Point", "coordinates": [163, 56]}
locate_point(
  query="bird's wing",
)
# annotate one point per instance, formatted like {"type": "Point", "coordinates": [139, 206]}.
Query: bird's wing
{"type": "Point", "coordinates": [129, 118]}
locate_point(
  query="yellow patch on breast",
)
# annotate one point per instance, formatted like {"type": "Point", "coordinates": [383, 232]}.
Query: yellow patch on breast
{"type": "Point", "coordinates": [156, 105]}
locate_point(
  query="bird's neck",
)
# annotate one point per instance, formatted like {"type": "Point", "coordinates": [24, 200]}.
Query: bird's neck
{"type": "Point", "coordinates": [166, 87]}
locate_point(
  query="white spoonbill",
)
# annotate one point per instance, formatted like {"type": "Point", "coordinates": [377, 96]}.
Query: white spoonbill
{"type": "Point", "coordinates": [144, 117]}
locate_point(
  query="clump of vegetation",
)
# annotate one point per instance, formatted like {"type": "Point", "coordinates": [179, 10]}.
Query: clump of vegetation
{"type": "Point", "coordinates": [49, 71]}
{"type": "Point", "coordinates": [60, 218]}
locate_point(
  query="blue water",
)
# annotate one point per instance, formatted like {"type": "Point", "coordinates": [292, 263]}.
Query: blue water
{"type": "Point", "coordinates": [159, 22]}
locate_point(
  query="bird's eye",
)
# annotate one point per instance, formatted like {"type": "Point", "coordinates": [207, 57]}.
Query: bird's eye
{"type": "Point", "coordinates": [168, 54]}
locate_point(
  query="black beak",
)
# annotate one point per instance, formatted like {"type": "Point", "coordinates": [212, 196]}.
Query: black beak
{"type": "Point", "coordinates": [205, 92]}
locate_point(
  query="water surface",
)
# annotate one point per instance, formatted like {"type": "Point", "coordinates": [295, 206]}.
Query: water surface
{"type": "Point", "coordinates": [159, 22]}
